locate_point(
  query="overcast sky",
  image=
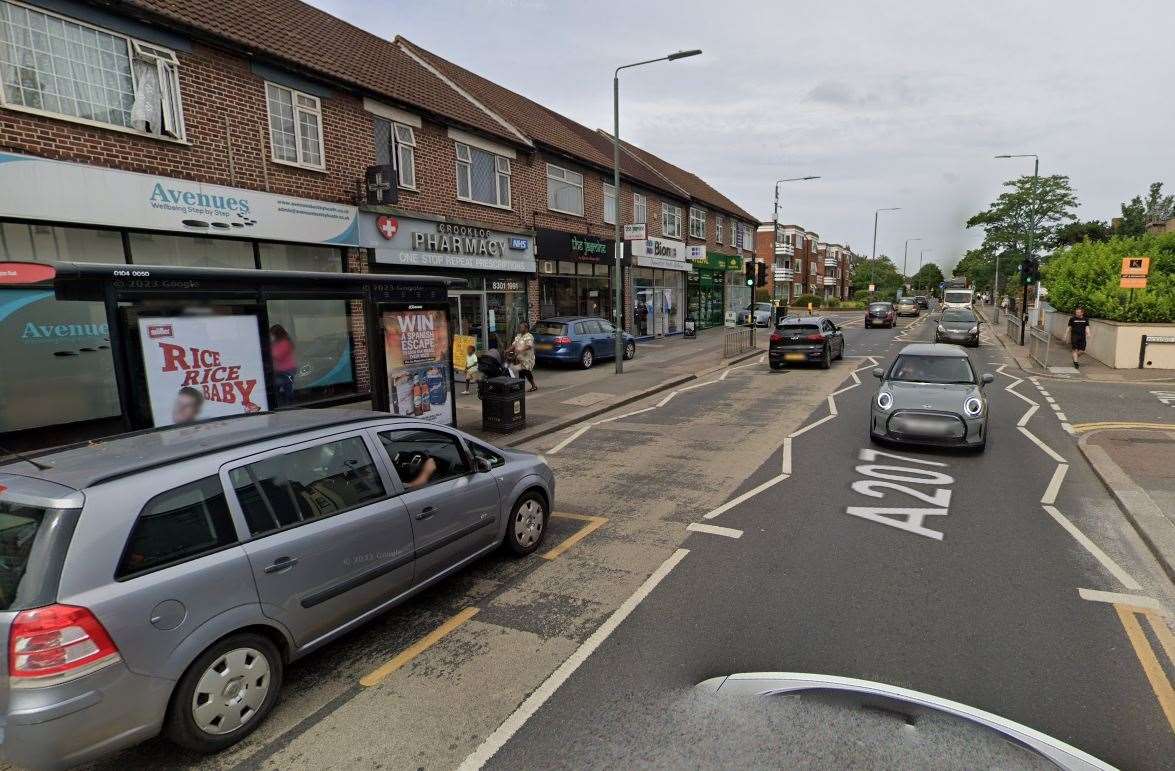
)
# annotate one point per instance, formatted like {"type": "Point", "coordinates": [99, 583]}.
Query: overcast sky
{"type": "Point", "coordinates": [894, 104]}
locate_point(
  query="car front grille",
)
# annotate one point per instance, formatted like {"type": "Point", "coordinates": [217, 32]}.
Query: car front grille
{"type": "Point", "coordinates": [931, 425]}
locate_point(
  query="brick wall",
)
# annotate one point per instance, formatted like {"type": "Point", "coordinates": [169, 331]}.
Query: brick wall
{"type": "Point", "coordinates": [357, 262]}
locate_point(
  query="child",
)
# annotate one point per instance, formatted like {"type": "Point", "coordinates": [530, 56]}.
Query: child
{"type": "Point", "coordinates": [471, 372]}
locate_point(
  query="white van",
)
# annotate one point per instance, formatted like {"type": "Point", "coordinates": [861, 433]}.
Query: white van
{"type": "Point", "coordinates": [957, 298]}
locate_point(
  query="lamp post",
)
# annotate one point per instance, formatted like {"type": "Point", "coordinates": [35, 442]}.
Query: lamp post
{"type": "Point", "coordinates": [775, 232]}
{"type": "Point", "coordinates": [1028, 239]}
{"type": "Point", "coordinates": [873, 263]}
{"type": "Point", "coordinates": [921, 254]}
{"type": "Point", "coordinates": [618, 289]}
{"type": "Point", "coordinates": [905, 254]}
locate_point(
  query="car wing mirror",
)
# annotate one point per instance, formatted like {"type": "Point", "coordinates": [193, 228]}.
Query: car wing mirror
{"type": "Point", "coordinates": [483, 465]}
{"type": "Point", "coordinates": [987, 378]}
{"type": "Point", "coordinates": [878, 373]}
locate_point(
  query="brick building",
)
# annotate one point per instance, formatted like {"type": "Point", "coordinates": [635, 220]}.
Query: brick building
{"type": "Point", "coordinates": [803, 264]}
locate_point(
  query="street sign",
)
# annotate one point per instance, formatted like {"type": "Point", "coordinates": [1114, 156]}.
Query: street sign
{"type": "Point", "coordinates": [380, 182]}
{"type": "Point", "coordinates": [873, 287]}
{"type": "Point", "coordinates": [942, 284]}
{"type": "Point", "coordinates": [638, 232]}
{"type": "Point", "coordinates": [1134, 272]}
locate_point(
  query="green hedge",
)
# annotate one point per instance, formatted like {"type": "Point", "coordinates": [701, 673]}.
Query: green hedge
{"type": "Point", "coordinates": [1088, 273]}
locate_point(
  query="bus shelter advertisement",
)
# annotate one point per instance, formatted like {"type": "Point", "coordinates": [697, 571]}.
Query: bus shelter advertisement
{"type": "Point", "coordinates": [417, 346]}
{"type": "Point", "coordinates": [202, 367]}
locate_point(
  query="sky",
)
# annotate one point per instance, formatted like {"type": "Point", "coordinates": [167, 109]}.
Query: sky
{"type": "Point", "coordinates": [899, 104]}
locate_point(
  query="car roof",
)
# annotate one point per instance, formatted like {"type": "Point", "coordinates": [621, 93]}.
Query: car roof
{"type": "Point", "coordinates": [933, 349]}
{"type": "Point", "coordinates": [88, 463]}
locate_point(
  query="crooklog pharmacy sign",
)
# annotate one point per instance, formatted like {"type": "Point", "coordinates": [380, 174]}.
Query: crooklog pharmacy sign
{"type": "Point", "coordinates": [427, 243]}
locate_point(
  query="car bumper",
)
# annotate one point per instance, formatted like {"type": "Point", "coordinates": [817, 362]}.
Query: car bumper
{"type": "Point", "coordinates": [873, 321]}
{"type": "Point", "coordinates": [64, 725]}
{"type": "Point", "coordinates": [796, 354]}
{"type": "Point", "coordinates": [558, 355]}
{"type": "Point", "coordinates": [943, 429]}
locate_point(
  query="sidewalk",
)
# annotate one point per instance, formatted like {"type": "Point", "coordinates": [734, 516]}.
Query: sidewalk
{"type": "Point", "coordinates": [1060, 361]}
{"type": "Point", "coordinates": [1136, 465]}
{"type": "Point", "coordinates": [568, 395]}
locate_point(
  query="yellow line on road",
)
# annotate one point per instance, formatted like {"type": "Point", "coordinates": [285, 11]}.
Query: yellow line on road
{"type": "Point", "coordinates": [432, 638]}
{"type": "Point", "coordinates": [1080, 427]}
{"type": "Point", "coordinates": [1151, 666]}
{"type": "Point", "coordinates": [593, 524]}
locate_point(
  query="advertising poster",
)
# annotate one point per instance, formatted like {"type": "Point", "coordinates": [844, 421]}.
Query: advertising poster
{"type": "Point", "coordinates": [202, 367]}
{"type": "Point", "coordinates": [418, 359]}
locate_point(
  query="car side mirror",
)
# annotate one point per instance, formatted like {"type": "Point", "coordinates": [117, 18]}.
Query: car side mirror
{"type": "Point", "coordinates": [878, 373]}
{"type": "Point", "coordinates": [987, 378]}
{"type": "Point", "coordinates": [483, 465]}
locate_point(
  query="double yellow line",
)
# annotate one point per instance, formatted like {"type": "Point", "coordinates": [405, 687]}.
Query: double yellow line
{"type": "Point", "coordinates": [1082, 427]}
{"type": "Point", "coordinates": [1151, 666]}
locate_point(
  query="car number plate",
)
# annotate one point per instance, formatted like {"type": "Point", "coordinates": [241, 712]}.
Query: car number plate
{"type": "Point", "coordinates": [794, 357]}
{"type": "Point", "coordinates": [926, 426]}
{"type": "Point", "coordinates": [543, 346]}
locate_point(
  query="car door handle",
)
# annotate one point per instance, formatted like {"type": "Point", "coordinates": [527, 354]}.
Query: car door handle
{"type": "Point", "coordinates": [282, 564]}
{"type": "Point", "coordinates": [426, 512]}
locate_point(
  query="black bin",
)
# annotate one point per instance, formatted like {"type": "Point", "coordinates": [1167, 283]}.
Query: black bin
{"type": "Point", "coordinates": [503, 404]}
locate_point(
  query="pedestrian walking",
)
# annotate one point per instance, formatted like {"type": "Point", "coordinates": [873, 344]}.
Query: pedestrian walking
{"type": "Point", "coordinates": [1078, 334]}
{"type": "Point", "coordinates": [471, 372]}
{"type": "Point", "coordinates": [523, 347]}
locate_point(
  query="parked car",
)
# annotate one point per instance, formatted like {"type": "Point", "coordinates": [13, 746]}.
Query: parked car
{"type": "Point", "coordinates": [922, 302]}
{"type": "Point", "coordinates": [805, 339]}
{"type": "Point", "coordinates": [162, 581]}
{"type": "Point", "coordinates": [930, 395]}
{"type": "Point", "coordinates": [880, 315]}
{"type": "Point", "coordinates": [578, 340]}
{"type": "Point", "coordinates": [762, 313]}
{"type": "Point", "coordinates": [958, 325]}
{"type": "Point", "coordinates": [907, 307]}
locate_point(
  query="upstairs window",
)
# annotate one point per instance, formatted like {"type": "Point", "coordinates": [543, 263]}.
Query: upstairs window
{"type": "Point", "coordinates": [670, 220]}
{"type": "Point", "coordinates": [56, 66]}
{"type": "Point", "coordinates": [295, 127]}
{"type": "Point", "coordinates": [564, 190]}
{"type": "Point", "coordinates": [718, 230]}
{"type": "Point", "coordinates": [640, 214]}
{"type": "Point", "coordinates": [395, 143]}
{"type": "Point", "coordinates": [609, 204]}
{"type": "Point", "coordinates": [697, 223]}
{"type": "Point", "coordinates": [482, 177]}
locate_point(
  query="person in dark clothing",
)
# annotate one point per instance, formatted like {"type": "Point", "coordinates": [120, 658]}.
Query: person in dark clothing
{"type": "Point", "coordinates": [1078, 334]}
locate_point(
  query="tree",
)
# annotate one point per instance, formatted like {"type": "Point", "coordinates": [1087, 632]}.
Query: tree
{"type": "Point", "coordinates": [978, 267]}
{"type": "Point", "coordinates": [928, 277]}
{"type": "Point", "coordinates": [1030, 207]}
{"type": "Point", "coordinates": [1138, 212]}
{"type": "Point", "coordinates": [1076, 232]}
{"type": "Point", "coordinates": [1088, 274]}
{"type": "Point", "coordinates": [881, 272]}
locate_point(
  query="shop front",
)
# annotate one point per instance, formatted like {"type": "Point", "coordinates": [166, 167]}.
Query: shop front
{"type": "Point", "coordinates": [575, 274]}
{"type": "Point", "coordinates": [707, 285]}
{"type": "Point", "coordinates": [494, 265]}
{"type": "Point", "coordinates": [58, 374]}
{"type": "Point", "coordinates": [659, 268]}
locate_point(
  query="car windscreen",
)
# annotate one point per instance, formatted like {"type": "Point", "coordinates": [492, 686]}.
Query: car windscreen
{"type": "Point", "coordinates": [879, 307]}
{"type": "Point", "coordinates": [19, 526]}
{"type": "Point", "coordinates": [959, 315]}
{"type": "Point", "coordinates": [931, 369]}
{"type": "Point", "coordinates": [957, 297]}
{"type": "Point", "coordinates": [549, 328]}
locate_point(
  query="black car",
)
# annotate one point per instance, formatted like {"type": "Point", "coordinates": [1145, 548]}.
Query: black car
{"type": "Point", "coordinates": [959, 326]}
{"type": "Point", "coordinates": [880, 315]}
{"type": "Point", "coordinates": [804, 339]}
{"type": "Point", "coordinates": [922, 302]}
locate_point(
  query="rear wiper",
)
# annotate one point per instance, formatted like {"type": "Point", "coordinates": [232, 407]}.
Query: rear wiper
{"type": "Point", "coordinates": [39, 465]}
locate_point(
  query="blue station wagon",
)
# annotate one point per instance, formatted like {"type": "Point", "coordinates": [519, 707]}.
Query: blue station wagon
{"type": "Point", "coordinates": [578, 340]}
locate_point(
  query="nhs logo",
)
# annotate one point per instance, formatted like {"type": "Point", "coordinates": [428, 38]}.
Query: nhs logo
{"type": "Point", "coordinates": [520, 244]}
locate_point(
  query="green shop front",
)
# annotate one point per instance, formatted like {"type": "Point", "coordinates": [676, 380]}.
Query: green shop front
{"type": "Point", "coordinates": [706, 289]}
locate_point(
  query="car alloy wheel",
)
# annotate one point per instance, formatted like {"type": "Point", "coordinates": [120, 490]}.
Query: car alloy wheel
{"type": "Point", "coordinates": [231, 691]}
{"type": "Point", "coordinates": [826, 362]}
{"type": "Point", "coordinates": [586, 359]}
{"type": "Point", "coordinates": [528, 524]}
{"type": "Point", "coordinates": [630, 350]}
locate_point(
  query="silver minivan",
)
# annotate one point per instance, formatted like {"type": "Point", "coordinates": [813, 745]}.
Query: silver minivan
{"type": "Point", "coordinates": [161, 581]}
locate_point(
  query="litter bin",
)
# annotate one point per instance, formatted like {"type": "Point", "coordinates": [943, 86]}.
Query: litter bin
{"type": "Point", "coordinates": [503, 404]}
{"type": "Point", "coordinates": [691, 327]}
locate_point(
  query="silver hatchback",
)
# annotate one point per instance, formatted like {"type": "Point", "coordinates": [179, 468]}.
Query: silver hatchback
{"type": "Point", "coordinates": [161, 581]}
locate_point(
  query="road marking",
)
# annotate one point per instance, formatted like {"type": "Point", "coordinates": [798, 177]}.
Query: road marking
{"type": "Point", "coordinates": [1049, 399]}
{"type": "Point", "coordinates": [377, 676]}
{"type": "Point", "coordinates": [495, 741]}
{"type": "Point", "coordinates": [810, 426]}
{"type": "Point", "coordinates": [593, 524]}
{"type": "Point", "coordinates": [1044, 392]}
{"type": "Point", "coordinates": [625, 415]}
{"type": "Point", "coordinates": [1083, 427]}
{"type": "Point", "coordinates": [1068, 428]}
{"type": "Point", "coordinates": [555, 450]}
{"type": "Point", "coordinates": [1107, 562]}
{"type": "Point", "coordinates": [1027, 415]}
{"type": "Point", "coordinates": [1018, 394]}
{"type": "Point", "coordinates": [729, 532]}
{"type": "Point", "coordinates": [1061, 416]}
{"type": "Point", "coordinates": [1050, 492]}
{"type": "Point", "coordinates": [740, 366]}
{"type": "Point", "coordinates": [1149, 661]}
{"type": "Point", "coordinates": [832, 406]}
{"type": "Point", "coordinates": [1117, 598]}
{"type": "Point", "coordinates": [786, 464]}
{"type": "Point", "coordinates": [748, 494]}
{"type": "Point", "coordinates": [1049, 451]}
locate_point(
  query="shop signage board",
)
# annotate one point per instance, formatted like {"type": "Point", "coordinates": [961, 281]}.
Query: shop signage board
{"type": "Point", "coordinates": [416, 345]}
{"type": "Point", "coordinates": [637, 232]}
{"type": "Point", "coordinates": [660, 253]}
{"type": "Point", "coordinates": [427, 243]}
{"type": "Point", "coordinates": [201, 367]}
{"type": "Point", "coordinates": [561, 245]}
{"type": "Point", "coordinates": [700, 258]}
{"type": "Point", "coordinates": [42, 189]}
{"type": "Point", "coordinates": [1134, 272]}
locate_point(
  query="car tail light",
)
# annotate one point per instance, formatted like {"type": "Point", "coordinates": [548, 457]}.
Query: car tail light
{"type": "Point", "coordinates": [55, 641]}
{"type": "Point", "coordinates": [561, 340]}
{"type": "Point", "coordinates": [776, 337]}
{"type": "Point", "coordinates": [816, 338]}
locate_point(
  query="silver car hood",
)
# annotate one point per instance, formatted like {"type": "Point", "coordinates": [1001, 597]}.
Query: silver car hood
{"type": "Point", "coordinates": [930, 396]}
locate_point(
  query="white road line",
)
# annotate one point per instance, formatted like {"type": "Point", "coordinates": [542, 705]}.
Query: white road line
{"type": "Point", "coordinates": [761, 358]}
{"type": "Point", "coordinates": [1094, 595]}
{"type": "Point", "coordinates": [842, 390]}
{"type": "Point", "coordinates": [748, 494]}
{"type": "Point", "coordinates": [1049, 399]}
{"type": "Point", "coordinates": [786, 464]}
{"type": "Point", "coordinates": [729, 532]}
{"type": "Point", "coordinates": [832, 406]}
{"type": "Point", "coordinates": [1044, 392]}
{"type": "Point", "coordinates": [810, 426]}
{"type": "Point", "coordinates": [739, 366]}
{"type": "Point", "coordinates": [555, 450]}
{"type": "Point", "coordinates": [495, 741]}
{"type": "Point", "coordinates": [1107, 562]}
{"type": "Point", "coordinates": [1049, 451]}
{"type": "Point", "coordinates": [625, 415]}
{"type": "Point", "coordinates": [1027, 415]}
{"type": "Point", "coordinates": [1050, 492]}
{"type": "Point", "coordinates": [1069, 428]}
{"type": "Point", "coordinates": [1061, 416]}
{"type": "Point", "coordinates": [667, 399]}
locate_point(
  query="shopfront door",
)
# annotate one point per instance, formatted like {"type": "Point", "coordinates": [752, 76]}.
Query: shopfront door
{"type": "Point", "coordinates": [467, 309]}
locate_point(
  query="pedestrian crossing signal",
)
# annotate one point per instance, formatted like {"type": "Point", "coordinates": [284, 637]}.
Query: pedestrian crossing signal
{"type": "Point", "coordinates": [750, 269]}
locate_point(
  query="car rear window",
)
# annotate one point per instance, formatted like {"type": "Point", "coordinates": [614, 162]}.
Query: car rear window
{"type": "Point", "coordinates": [19, 526]}
{"type": "Point", "coordinates": [879, 307]}
{"type": "Point", "coordinates": [177, 526]}
{"type": "Point", "coordinates": [797, 329]}
{"type": "Point", "coordinates": [549, 328]}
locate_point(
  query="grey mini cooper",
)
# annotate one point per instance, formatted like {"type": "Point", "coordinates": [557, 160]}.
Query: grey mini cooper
{"type": "Point", "coordinates": [161, 581]}
{"type": "Point", "coordinates": [930, 395]}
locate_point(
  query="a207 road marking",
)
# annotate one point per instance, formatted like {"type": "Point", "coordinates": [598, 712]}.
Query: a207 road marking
{"type": "Point", "coordinates": [898, 479]}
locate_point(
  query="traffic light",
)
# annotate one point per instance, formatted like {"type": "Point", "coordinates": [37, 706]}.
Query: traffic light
{"type": "Point", "coordinates": [750, 269]}
{"type": "Point", "coordinates": [1030, 271]}
{"type": "Point", "coordinates": [760, 274]}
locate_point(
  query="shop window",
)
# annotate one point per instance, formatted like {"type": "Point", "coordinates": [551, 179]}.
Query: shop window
{"type": "Point", "coordinates": [49, 243]}
{"type": "Point", "coordinates": [295, 126]}
{"type": "Point", "coordinates": [310, 349]}
{"type": "Point", "coordinates": [395, 143]}
{"type": "Point", "coordinates": [697, 222]}
{"type": "Point", "coordinates": [609, 204]}
{"type": "Point", "coordinates": [54, 65]}
{"type": "Point", "coordinates": [482, 177]}
{"type": "Point", "coordinates": [190, 252]}
{"type": "Point", "coordinates": [670, 220]}
{"type": "Point", "coordinates": [640, 214]}
{"type": "Point", "coordinates": [322, 259]}
{"type": "Point", "coordinates": [564, 190]}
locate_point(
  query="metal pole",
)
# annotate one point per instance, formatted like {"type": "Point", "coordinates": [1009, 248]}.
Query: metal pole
{"type": "Point", "coordinates": [995, 289]}
{"type": "Point", "coordinates": [1031, 228]}
{"type": "Point", "coordinates": [618, 289]}
{"type": "Point", "coordinates": [873, 261]}
{"type": "Point", "coordinates": [774, 243]}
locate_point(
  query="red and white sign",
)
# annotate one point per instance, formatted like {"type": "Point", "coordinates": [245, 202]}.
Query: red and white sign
{"type": "Point", "coordinates": [387, 226]}
{"type": "Point", "coordinates": [25, 272]}
{"type": "Point", "coordinates": [202, 367]}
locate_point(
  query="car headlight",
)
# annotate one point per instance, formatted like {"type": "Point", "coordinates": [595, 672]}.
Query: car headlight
{"type": "Point", "coordinates": [975, 330]}
{"type": "Point", "coordinates": [973, 406]}
{"type": "Point", "coordinates": [884, 400]}
{"type": "Point", "coordinates": [941, 328]}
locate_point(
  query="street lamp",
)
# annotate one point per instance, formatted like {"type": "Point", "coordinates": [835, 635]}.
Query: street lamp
{"type": "Point", "coordinates": [775, 233]}
{"type": "Point", "coordinates": [873, 264]}
{"type": "Point", "coordinates": [905, 254]}
{"type": "Point", "coordinates": [921, 254]}
{"type": "Point", "coordinates": [618, 293]}
{"type": "Point", "coordinates": [1028, 245]}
